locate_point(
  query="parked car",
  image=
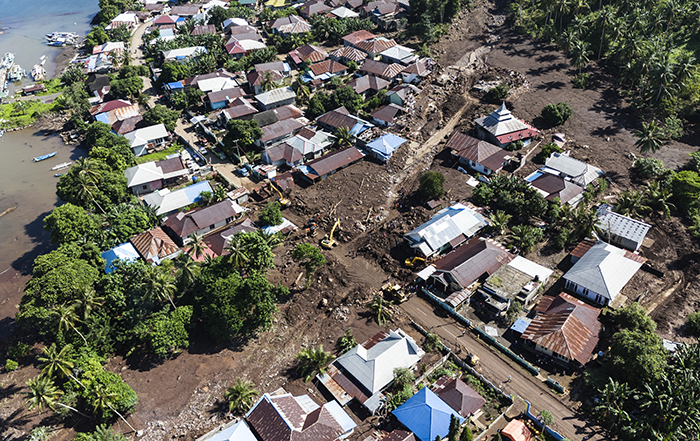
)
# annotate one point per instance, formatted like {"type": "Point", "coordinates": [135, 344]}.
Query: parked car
{"type": "Point", "coordinates": [243, 172]}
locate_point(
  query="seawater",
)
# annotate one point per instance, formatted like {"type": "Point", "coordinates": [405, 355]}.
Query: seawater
{"type": "Point", "coordinates": [30, 186]}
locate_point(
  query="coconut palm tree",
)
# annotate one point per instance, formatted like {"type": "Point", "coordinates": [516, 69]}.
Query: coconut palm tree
{"type": "Point", "coordinates": [57, 362]}
{"type": "Point", "coordinates": [381, 309]}
{"type": "Point", "coordinates": [631, 203]}
{"type": "Point", "coordinates": [88, 300]}
{"type": "Point", "coordinates": [606, 18]}
{"type": "Point", "coordinates": [87, 168]}
{"type": "Point", "coordinates": [659, 198]}
{"type": "Point", "coordinates": [219, 193]}
{"type": "Point", "coordinates": [158, 285]}
{"type": "Point", "coordinates": [524, 237]}
{"type": "Point", "coordinates": [43, 393]}
{"type": "Point", "coordinates": [343, 137]}
{"type": "Point", "coordinates": [546, 419]}
{"type": "Point", "coordinates": [303, 92]}
{"type": "Point", "coordinates": [580, 55]}
{"type": "Point", "coordinates": [103, 399]}
{"type": "Point", "coordinates": [237, 252]}
{"type": "Point", "coordinates": [649, 139]}
{"type": "Point", "coordinates": [196, 246]}
{"type": "Point", "coordinates": [271, 240]}
{"type": "Point", "coordinates": [86, 188]}
{"type": "Point", "coordinates": [67, 317]}
{"type": "Point", "coordinates": [312, 361]}
{"type": "Point", "coordinates": [268, 83]}
{"type": "Point", "coordinates": [240, 396]}
{"type": "Point", "coordinates": [499, 222]}
{"type": "Point", "coordinates": [187, 270]}
{"type": "Point", "coordinates": [611, 405]}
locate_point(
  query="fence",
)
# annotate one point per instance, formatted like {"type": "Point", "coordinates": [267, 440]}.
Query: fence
{"type": "Point", "coordinates": [556, 435]}
{"type": "Point", "coordinates": [481, 334]}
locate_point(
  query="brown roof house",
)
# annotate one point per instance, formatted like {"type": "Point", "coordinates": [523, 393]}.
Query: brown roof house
{"type": "Point", "coordinates": [202, 220]}
{"type": "Point", "coordinates": [307, 54]}
{"type": "Point", "coordinates": [363, 372]}
{"type": "Point", "coordinates": [375, 46]}
{"type": "Point", "coordinates": [288, 418]}
{"type": "Point", "coordinates": [346, 54]}
{"type": "Point", "coordinates": [368, 84]}
{"type": "Point", "coordinates": [383, 70]}
{"type": "Point", "coordinates": [458, 395]}
{"type": "Point", "coordinates": [155, 246]}
{"type": "Point", "coordinates": [394, 435]}
{"type": "Point", "coordinates": [384, 116]}
{"type": "Point", "coordinates": [565, 328]}
{"type": "Point", "coordinates": [357, 37]}
{"type": "Point", "coordinates": [218, 241]}
{"type": "Point", "coordinates": [326, 165]}
{"type": "Point", "coordinates": [476, 259]}
{"type": "Point", "coordinates": [282, 154]}
{"type": "Point", "coordinates": [478, 155]}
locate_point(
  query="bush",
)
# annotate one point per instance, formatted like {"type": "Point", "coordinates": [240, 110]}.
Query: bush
{"type": "Point", "coordinates": [271, 215]}
{"type": "Point", "coordinates": [647, 168]}
{"type": "Point", "coordinates": [11, 365]}
{"type": "Point", "coordinates": [556, 114]}
{"type": "Point", "coordinates": [546, 152]}
{"type": "Point", "coordinates": [431, 185]}
{"type": "Point", "coordinates": [432, 343]}
{"type": "Point", "coordinates": [19, 351]}
{"type": "Point", "coordinates": [692, 322]}
{"type": "Point", "coordinates": [673, 127]}
{"type": "Point", "coordinates": [498, 93]}
{"type": "Point", "coordinates": [513, 146]}
{"type": "Point", "coordinates": [580, 81]}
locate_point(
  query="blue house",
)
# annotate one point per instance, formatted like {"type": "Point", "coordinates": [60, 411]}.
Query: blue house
{"type": "Point", "coordinates": [124, 252]}
{"type": "Point", "coordinates": [426, 415]}
{"type": "Point", "coordinates": [382, 148]}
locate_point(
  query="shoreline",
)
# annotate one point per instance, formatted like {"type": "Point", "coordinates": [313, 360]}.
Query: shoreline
{"type": "Point", "coordinates": [63, 59]}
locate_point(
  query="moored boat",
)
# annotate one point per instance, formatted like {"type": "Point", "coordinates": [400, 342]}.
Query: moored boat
{"type": "Point", "coordinates": [7, 60]}
{"type": "Point", "coordinates": [46, 156]}
{"type": "Point", "coordinates": [61, 165]}
{"type": "Point", "coordinates": [38, 72]}
{"type": "Point", "coordinates": [58, 175]}
{"type": "Point", "coordinates": [15, 73]}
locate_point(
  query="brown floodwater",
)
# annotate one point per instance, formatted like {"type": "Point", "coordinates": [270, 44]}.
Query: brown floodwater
{"type": "Point", "coordinates": [31, 187]}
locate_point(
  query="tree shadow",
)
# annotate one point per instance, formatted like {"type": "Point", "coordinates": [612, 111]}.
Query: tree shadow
{"type": "Point", "coordinates": [40, 237]}
{"type": "Point", "coordinates": [551, 85]}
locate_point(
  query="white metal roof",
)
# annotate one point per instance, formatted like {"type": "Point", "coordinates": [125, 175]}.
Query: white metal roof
{"type": "Point", "coordinates": [344, 12]}
{"type": "Point", "coordinates": [374, 367]}
{"type": "Point", "coordinates": [616, 224]}
{"type": "Point", "coordinates": [531, 268]}
{"type": "Point", "coordinates": [579, 172]}
{"type": "Point", "coordinates": [401, 53]}
{"type": "Point", "coordinates": [142, 174]}
{"type": "Point", "coordinates": [216, 84]}
{"type": "Point", "coordinates": [184, 52]}
{"type": "Point", "coordinates": [276, 95]}
{"type": "Point", "coordinates": [444, 227]}
{"type": "Point", "coordinates": [145, 135]}
{"type": "Point", "coordinates": [166, 201]}
{"type": "Point", "coordinates": [501, 121]}
{"type": "Point", "coordinates": [604, 269]}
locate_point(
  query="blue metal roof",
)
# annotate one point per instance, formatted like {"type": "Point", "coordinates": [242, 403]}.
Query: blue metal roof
{"type": "Point", "coordinates": [124, 252]}
{"type": "Point", "coordinates": [386, 145]}
{"type": "Point", "coordinates": [193, 191]}
{"type": "Point", "coordinates": [426, 415]}
{"type": "Point", "coordinates": [175, 85]}
{"type": "Point", "coordinates": [103, 117]}
{"type": "Point", "coordinates": [521, 325]}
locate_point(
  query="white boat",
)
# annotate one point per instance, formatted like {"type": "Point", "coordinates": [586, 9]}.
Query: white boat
{"type": "Point", "coordinates": [61, 166]}
{"type": "Point", "coordinates": [42, 60]}
{"type": "Point", "coordinates": [7, 61]}
{"type": "Point", "coordinates": [15, 73]}
{"type": "Point", "coordinates": [38, 72]}
{"type": "Point", "coordinates": [2, 132]}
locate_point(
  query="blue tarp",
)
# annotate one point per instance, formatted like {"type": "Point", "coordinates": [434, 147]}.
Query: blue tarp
{"type": "Point", "coordinates": [124, 252]}
{"type": "Point", "coordinates": [426, 415]}
{"type": "Point", "coordinates": [175, 85]}
{"type": "Point", "coordinates": [103, 117]}
{"type": "Point", "coordinates": [360, 127]}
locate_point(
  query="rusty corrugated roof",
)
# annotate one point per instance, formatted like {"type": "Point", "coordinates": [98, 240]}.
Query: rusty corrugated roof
{"type": "Point", "coordinates": [336, 160]}
{"type": "Point", "coordinates": [154, 245]}
{"type": "Point", "coordinates": [569, 327]}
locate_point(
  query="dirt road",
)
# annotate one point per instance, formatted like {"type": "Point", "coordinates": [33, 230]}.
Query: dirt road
{"type": "Point", "coordinates": [140, 59]}
{"type": "Point", "coordinates": [499, 369]}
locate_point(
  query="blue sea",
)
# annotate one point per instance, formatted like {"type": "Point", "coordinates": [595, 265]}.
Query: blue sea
{"type": "Point", "coordinates": [29, 186]}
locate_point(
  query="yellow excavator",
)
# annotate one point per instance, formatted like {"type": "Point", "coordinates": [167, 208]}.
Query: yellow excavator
{"type": "Point", "coordinates": [412, 262]}
{"type": "Point", "coordinates": [284, 202]}
{"type": "Point", "coordinates": [328, 242]}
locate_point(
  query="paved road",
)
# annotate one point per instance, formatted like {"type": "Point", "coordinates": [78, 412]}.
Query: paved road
{"type": "Point", "coordinates": [497, 368]}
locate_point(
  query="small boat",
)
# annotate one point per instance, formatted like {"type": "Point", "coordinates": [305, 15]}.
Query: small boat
{"type": "Point", "coordinates": [46, 156]}
{"type": "Point", "coordinates": [38, 72]}
{"type": "Point", "coordinates": [61, 165]}
{"type": "Point", "coordinates": [2, 132]}
{"type": "Point", "coordinates": [42, 60]}
{"type": "Point", "coordinates": [7, 61]}
{"type": "Point", "coordinates": [15, 73]}
{"type": "Point", "coordinates": [58, 175]}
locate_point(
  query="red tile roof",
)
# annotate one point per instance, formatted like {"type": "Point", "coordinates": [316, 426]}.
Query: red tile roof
{"type": "Point", "coordinates": [375, 46]}
{"type": "Point", "coordinates": [154, 245]}
{"type": "Point", "coordinates": [328, 66]}
{"type": "Point", "coordinates": [309, 53]}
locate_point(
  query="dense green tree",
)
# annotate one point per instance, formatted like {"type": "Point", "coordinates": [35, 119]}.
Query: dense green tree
{"type": "Point", "coordinates": [96, 37]}
{"type": "Point", "coordinates": [686, 189]}
{"type": "Point", "coordinates": [556, 114]}
{"type": "Point", "coordinates": [692, 322]}
{"type": "Point", "coordinates": [636, 356]}
{"type": "Point", "coordinates": [119, 33]}
{"type": "Point", "coordinates": [271, 214]}
{"type": "Point", "coordinates": [126, 87]}
{"type": "Point", "coordinates": [240, 134]}
{"type": "Point", "coordinates": [230, 305]}
{"type": "Point", "coordinates": [165, 332]}
{"type": "Point", "coordinates": [512, 195]}
{"type": "Point", "coordinates": [312, 361]}
{"type": "Point", "coordinates": [107, 393]}
{"type": "Point", "coordinates": [100, 191]}
{"type": "Point", "coordinates": [73, 74]}
{"type": "Point", "coordinates": [240, 396]}
{"type": "Point", "coordinates": [466, 434]}
{"type": "Point", "coordinates": [309, 256]}
{"type": "Point", "coordinates": [525, 237]}
{"type": "Point", "coordinates": [345, 96]}
{"type": "Point", "coordinates": [69, 223]}
{"type": "Point", "coordinates": [160, 114]}
{"type": "Point", "coordinates": [431, 185]}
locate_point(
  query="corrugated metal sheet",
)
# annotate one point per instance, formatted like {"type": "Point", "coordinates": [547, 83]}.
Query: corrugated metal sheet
{"type": "Point", "coordinates": [458, 395]}
{"type": "Point", "coordinates": [337, 119]}
{"type": "Point", "coordinates": [280, 129]}
{"type": "Point", "coordinates": [474, 259]}
{"type": "Point", "coordinates": [328, 66]}
{"type": "Point", "coordinates": [335, 160]}
{"type": "Point", "coordinates": [568, 327]}
{"type": "Point", "coordinates": [359, 36]}
{"type": "Point", "coordinates": [375, 45]}
{"type": "Point", "coordinates": [154, 245]}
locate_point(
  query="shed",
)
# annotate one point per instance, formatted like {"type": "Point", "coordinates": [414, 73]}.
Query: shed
{"type": "Point", "coordinates": [621, 230]}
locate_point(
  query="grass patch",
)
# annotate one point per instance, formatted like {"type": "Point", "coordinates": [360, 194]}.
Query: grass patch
{"type": "Point", "coordinates": [51, 86]}
{"type": "Point", "coordinates": [23, 113]}
{"type": "Point", "coordinates": [159, 156]}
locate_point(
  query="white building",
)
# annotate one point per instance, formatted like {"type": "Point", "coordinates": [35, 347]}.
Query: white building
{"type": "Point", "coordinates": [147, 137]}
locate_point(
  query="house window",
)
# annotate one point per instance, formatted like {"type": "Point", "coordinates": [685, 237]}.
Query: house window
{"type": "Point", "coordinates": [144, 187]}
{"type": "Point", "coordinates": [211, 227]}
